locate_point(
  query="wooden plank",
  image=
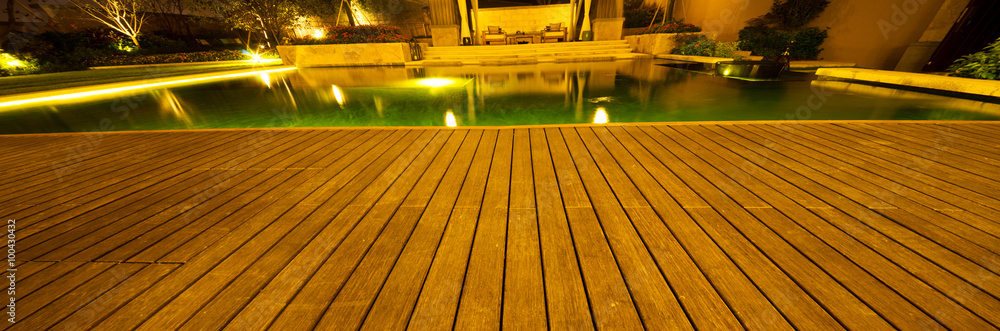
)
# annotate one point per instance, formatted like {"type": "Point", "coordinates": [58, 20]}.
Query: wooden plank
{"type": "Point", "coordinates": [69, 185]}
{"type": "Point", "coordinates": [68, 283]}
{"type": "Point", "coordinates": [341, 180]}
{"type": "Point", "coordinates": [37, 318]}
{"type": "Point", "coordinates": [611, 303]}
{"type": "Point", "coordinates": [76, 153]}
{"type": "Point", "coordinates": [957, 315]}
{"type": "Point", "coordinates": [890, 158]}
{"type": "Point", "coordinates": [482, 294]}
{"type": "Point", "coordinates": [523, 284]}
{"type": "Point", "coordinates": [960, 137]}
{"type": "Point", "coordinates": [106, 188]}
{"type": "Point", "coordinates": [700, 300]}
{"type": "Point", "coordinates": [743, 297]}
{"type": "Point", "coordinates": [947, 142]}
{"type": "Point", "coordinates": [307, 219]}
{"type": "Point", "coordinates": [655, 300]}
{"type": "Point", "coordinates": [951, 157]}
{"type": "Point", "coordinates": [138, 310]}
{"type": "Point", "coordinates": [907, 225]}
{"type": "Point", "coordinates": [42, 278]}
{"type": "Point", "coordinates": [394, 304]}
{"type": "Point", "coordinates": [230, 301]}
{"type": "Point", "coordinates": [842, 304]}
{"type": "Point", "coordinates": [566, 298]}
{"type": "Point", "coordinates": [439, 298]}
{"type": "Point", "coordinates": [946, 191]}
{"type": "Point", "coordinates": [181, 308]}
{"type": "Point", "coordinates": [100, 307]}
{"type": "Point", "coordinates": [208, 207]}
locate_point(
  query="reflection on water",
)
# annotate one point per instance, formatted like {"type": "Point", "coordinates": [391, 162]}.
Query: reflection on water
{"type": "Point", "coordinates": [603, 92]}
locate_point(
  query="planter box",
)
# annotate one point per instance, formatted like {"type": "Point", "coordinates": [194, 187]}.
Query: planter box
{"type": "Point", "coordinates": [340, 55]}
{"type": "Point", "coordinates": [658, 43]}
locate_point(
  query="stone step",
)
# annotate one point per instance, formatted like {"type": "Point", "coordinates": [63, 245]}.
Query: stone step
{"type": "Point", "coordinates": [531, 54]}
{"type": "Point", "coordinates": [483, 50]}
{"type": "Point", "coordinates": [526, 46]}
{"type": "Point", "coordinates": [527, 50]}
{"type": "Point", "coordinates": [527, 60]}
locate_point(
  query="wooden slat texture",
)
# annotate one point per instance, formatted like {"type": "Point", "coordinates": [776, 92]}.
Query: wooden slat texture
{"type": "Point", "coordinates": [770, 225]}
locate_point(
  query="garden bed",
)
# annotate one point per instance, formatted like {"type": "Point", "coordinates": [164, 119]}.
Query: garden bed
{"type": "Point", "coordinates": [658, 43]}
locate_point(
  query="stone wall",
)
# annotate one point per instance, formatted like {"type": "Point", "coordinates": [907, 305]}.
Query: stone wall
{"type": "Point", "coordinates": [657, 43]}
{"type": "Point", "coordinates": [304, 56]}
{"type": "Point", "coordinates": [523, 18]}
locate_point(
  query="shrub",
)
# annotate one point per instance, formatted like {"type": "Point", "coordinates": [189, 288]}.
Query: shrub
{"type": "Point", "coordinates": [764, 41]}
{"type": "Point", "coordinates": [807, 42]}
{"type": "Point", "coordinates": [768, 34]}
{"type": "Point", "coordinates": [700, 45]}
{"type": "Point", "coordinates": [791, 14]}
{"type": "Point", "coordinates": [361, 34]}
{"type": "Point", "coordinates": [132, 59]}
{"type": "Point", "coordinates": [638, 17]}
{"type": "Point", "coordinates": [984, 64]}
{"type": "Point", "coordinates": [671, 27]}
{"type": "Point", "coordinates": [12, 66]}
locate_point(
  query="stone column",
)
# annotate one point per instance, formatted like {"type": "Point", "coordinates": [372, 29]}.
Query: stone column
{"type": "Point", "coordinates": [917, 54]}
{"type": "Point", "coordinates": [608, 20]}
{"type": "Point", "coordinates": [444, 22]}
{"type": "Point", "coordinates": [463, 12]}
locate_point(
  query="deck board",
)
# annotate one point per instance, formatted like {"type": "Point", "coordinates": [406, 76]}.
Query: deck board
{"type": "Point", "coordinates": [768, 225]}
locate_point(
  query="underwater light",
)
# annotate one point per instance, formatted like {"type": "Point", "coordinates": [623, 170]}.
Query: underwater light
{"type": "Point", "coordinates": [435, 82]}
{"type": "Point", "coordinates": [255, 57]}
{"type": "Point", "coordinates": [449, 119]}
{"type": "Point", "coordinates": [338, 95]}
{"type": "Point", "coordinates": [601, 117]}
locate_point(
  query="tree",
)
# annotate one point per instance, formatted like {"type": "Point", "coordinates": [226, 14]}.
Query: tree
{"type": "Point", "coordinates": [125, 16]}
{"type": "Point", "coordinates": [269, 17]}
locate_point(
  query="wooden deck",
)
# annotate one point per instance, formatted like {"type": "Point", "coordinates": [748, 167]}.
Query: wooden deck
{"type": "Point", "coordinates": [813, 226]}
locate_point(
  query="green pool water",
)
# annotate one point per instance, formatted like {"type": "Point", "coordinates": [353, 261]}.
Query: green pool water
{"type": "Point", "coordinates": [615, 92]}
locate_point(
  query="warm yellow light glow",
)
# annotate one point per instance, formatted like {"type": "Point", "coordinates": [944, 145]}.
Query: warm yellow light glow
{"type": "Point", "coordinates": [264, 77]}
{"type": "Point", "coordinates": [14, 63]}
{"type": "Point", "coordinates": [317, 34]}
{"type": "Point", "coordinates": [337, 94]}
{"type": "Point", "coordinates": [435, 82]}
{"type": "Point", "coordinates": [78, 95]}
{"type": "Point", "coordinates": [255, 57]}
{"type": "Point", "coordinates": [725, 73]}
{"type": "Point", "coordinates": [449, 119]}
{"type": "Point", "coordinates": [601, 117]}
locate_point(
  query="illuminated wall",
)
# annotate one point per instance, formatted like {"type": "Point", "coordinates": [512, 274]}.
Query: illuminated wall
{"type": "Point", "coordinates": [873, 34]}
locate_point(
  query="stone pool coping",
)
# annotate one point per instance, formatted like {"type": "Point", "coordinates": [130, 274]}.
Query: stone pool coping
{"type": "Point", "coordinates": [528, 126]}
{"type": "Point", "coordinates": [972, 86]}
{"type": "Point", "coordinates": [90, 90]}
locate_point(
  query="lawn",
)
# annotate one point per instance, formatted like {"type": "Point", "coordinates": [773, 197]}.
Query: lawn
{"type": "Point", "coordinates": [44, 82]}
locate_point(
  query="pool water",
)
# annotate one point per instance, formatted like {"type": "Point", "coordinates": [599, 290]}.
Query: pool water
{"type": "Point", "coordinates": [612, 92]}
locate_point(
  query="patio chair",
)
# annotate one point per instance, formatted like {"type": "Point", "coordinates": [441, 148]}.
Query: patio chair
{"type": "Point", "coordinates": [495, 35]}
{"type": "Point", "coordinates": [554, 31]}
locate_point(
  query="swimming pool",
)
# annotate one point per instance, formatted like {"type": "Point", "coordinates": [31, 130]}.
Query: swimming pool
{"type": "Point", "coordinates": [612, 92]}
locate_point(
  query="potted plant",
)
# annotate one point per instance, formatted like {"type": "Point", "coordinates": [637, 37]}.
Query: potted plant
{"type": "Point", "coordinates": [778, 37]}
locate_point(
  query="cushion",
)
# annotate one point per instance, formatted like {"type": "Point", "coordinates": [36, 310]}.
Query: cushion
{"type": "Point", "coordinates": [494, 29]}
{"type": "Point", "coordinates": [554, 26]}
